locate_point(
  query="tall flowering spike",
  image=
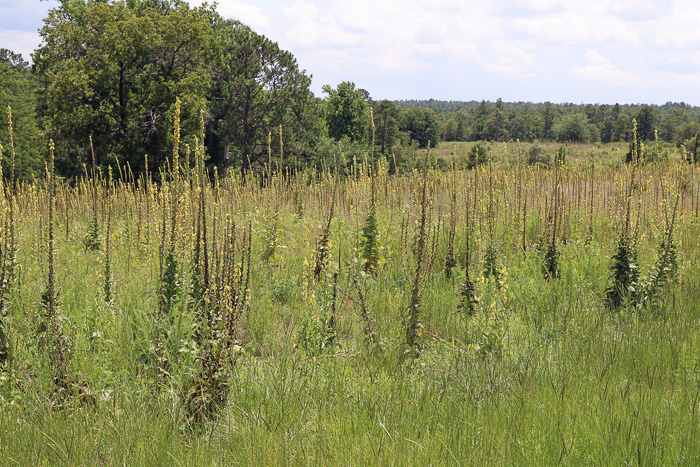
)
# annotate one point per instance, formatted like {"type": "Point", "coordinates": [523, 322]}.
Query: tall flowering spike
{"type": "Point", "coordinates": [12, 147]}
{"type": "Point", "coordinates": [634, 136]}
{"type": "Point", "coordinates": [52, 200]}
{"type": "Point", "coordinates": [269, 147]}
{"type": "Point", "coordinates": [10, 126]}
{"type": "Point", "coordinates": [281, 143]}
{"type": "Point", "coordinates": [201, 125]}
{"type": "Point", "coordinates": [2, 187]}
{"type": "Point", "coordinates": [52, 148]}
{"type": "Point", "coordinates": [176, 140]}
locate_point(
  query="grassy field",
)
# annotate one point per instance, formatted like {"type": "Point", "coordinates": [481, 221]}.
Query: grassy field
{"type": "Point", "coordinates": [441, 317]}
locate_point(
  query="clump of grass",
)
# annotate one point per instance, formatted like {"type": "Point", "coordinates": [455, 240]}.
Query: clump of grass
{"type": "Point", "coordinates": [367, 320]}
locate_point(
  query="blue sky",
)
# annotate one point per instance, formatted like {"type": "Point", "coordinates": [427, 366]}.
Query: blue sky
{"type": "Point", "coordinates": [586, 51]}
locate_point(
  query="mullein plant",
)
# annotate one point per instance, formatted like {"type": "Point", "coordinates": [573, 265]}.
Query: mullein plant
{"type": "Point", "coordinates": [10, 255]}
{"type": "Point", "coordinates": [92, 236]}
{"type": "Point", "coordinates": [200, 291]}
{"type": "Point", "coordinates": [636, 149]}
{"type": "Point", "coordinates": [323, 244]}
{"type": "Point", "coordinates": [207, 393]}
{"type": "Point", "coordinates": [170, 287]}
{"type": "Point", "coordinates": [450, 260]}
{"type": "Point", "coordinates": [412, 319]}
{"type": "Point", "coordinates": [667, 269]}
{"type": "Point", "coordinates": [624, 270]}
{"type": "Point", "coordinates": [370, 237]}
{"type": "Point", "coordinates": [591, 184]}
{"type": "Point", "coordinates": [54, 342]}
{"type": "Point", "coordinates": [550, 266]}
{"type": "Point", "coordinates": [5, 349]}
{"type": "Point", "coordinates": [521, 200]}
{"type": "Point", "coordinates": [467, 291]}
{"type": "Point", "coordinates": [169, 281]}
{"type": "Point", "coordinates": [491, 268]}
{"type": "Point", "coordinates": [107, 286]}
{"type": "Point", "coordinates": [271, 235]}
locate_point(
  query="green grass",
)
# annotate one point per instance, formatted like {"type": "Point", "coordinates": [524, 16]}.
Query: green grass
{"type": "Point", "coordinates": [542, 374]}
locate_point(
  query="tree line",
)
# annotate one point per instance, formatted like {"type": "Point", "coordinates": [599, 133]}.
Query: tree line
{"type": "Point", "coordinates": [585, 123]}
{"type": "Point", "coordinates": [104, 83]}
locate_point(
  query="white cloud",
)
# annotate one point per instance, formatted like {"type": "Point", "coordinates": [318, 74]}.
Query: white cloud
{"type": "Point", "coordinates": [569, 29]}
{"type": "Point", "coordinates": [508, 58]}
{"type": "Point", "coordinates": [412, 36]}
{"type": "Point", "coordinates": [692, 79]}
{"type": "Point", "coordinates": [678, 29]}
{"type": "Point", "coordinates": [23, 15]}
{"type": "Point", "coordinates": [20, 42]}
{"type": "Point", "coordinates": [312, 30]}
{"type": "Point", "coordinates": [247, 13]}
{"type": "Point", "coordinates": [600, 69]}
{"type": "Point", "coordinates": [471, 44]}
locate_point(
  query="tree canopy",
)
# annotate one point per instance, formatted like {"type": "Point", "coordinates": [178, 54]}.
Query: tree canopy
{"type": "Point", "coordinates": [256, 90]}
{"type": "Point", "coordinates": [526, 121]}
{"type": "Point", "coordinates": [422, 126]}
{"type": "Point", "coordinates": [19, 101]}
{"type": "Point", "coordinates": [114, 71]}
{"type": "Point", "coordinates": [346, 111]}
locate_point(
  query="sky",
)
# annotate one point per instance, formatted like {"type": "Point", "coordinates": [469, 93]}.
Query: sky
{"type": "Point", "coordinates": [584, 51]}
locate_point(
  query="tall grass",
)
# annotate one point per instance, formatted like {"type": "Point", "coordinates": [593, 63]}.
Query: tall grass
{"type": "Point", "coordinates": [210, 354]}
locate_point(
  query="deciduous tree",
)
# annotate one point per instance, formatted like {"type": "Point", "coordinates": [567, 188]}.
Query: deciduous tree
{"type": "Point", "coordinates": [421, 125]}
{"type": "Point", "coordinates": [114, 72]}
{"type": "Point", "coordinates": [346, 111]}
{"type": "Point", "coordinates": [18, 91]}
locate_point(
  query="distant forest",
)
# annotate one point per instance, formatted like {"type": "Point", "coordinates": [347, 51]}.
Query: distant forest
{"type": "Point", "coordinates": [526, 121]}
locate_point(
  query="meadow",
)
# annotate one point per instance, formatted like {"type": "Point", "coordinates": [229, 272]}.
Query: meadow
{"type": "Point", "coordinates": [539, 308]}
